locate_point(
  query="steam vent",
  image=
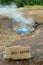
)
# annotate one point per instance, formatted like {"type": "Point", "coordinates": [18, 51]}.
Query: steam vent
{"type": "Point", "coordinates": [22, 27]}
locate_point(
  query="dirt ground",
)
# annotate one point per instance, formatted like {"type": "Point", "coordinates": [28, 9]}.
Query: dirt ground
{"type": "Point", "coordinates": [9, 37]}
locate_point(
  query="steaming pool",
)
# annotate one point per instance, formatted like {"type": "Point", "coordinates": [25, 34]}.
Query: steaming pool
{"type": "Point", "coordinates": [23, 30]}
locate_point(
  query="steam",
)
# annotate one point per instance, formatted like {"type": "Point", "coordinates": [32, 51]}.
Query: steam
{"type": "Point", "coordinates": [11, 12]}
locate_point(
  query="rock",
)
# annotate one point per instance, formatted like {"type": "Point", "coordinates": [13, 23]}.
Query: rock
{"type": "Point", "coordinates": [17, 52]}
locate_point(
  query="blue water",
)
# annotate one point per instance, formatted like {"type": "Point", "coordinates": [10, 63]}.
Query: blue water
{"type": "Point", "coordinates": [23, 30]}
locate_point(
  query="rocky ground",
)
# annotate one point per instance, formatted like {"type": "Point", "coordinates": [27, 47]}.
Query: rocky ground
{"type": "Point", "coordinates": [35, 40]}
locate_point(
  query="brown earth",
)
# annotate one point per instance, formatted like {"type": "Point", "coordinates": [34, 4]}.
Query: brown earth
{"type": "Point", "coordinates": [8, 36]}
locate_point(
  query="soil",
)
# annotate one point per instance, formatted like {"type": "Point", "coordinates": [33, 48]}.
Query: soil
{"type": "Point", "coordinates": [8, 38]}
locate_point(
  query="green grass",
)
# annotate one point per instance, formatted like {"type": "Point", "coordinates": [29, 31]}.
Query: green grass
{"type": "Point", "coordinates": [34, 6]}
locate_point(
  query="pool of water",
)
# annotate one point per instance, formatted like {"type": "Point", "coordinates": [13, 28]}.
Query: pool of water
{"type": "Point", "coordinates": [23, 30]}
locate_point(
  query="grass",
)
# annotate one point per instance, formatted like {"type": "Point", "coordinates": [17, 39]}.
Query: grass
{"type": "Point", "coordinates": [34, 6]}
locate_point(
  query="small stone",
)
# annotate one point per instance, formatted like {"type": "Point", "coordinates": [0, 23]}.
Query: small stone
{"type": "Point", "coordinates": [17, 62]}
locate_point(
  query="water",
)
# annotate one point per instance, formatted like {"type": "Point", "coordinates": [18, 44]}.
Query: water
{"type": "Point", "coordinates": [23, 30]}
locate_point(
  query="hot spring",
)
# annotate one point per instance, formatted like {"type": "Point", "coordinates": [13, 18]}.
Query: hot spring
{"type": "Point", "coordinates": [23, 30]}
{"type": "Point", "coordinates": [17, 17]}
{"type": "Point", "coordinates": [22, 27]}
